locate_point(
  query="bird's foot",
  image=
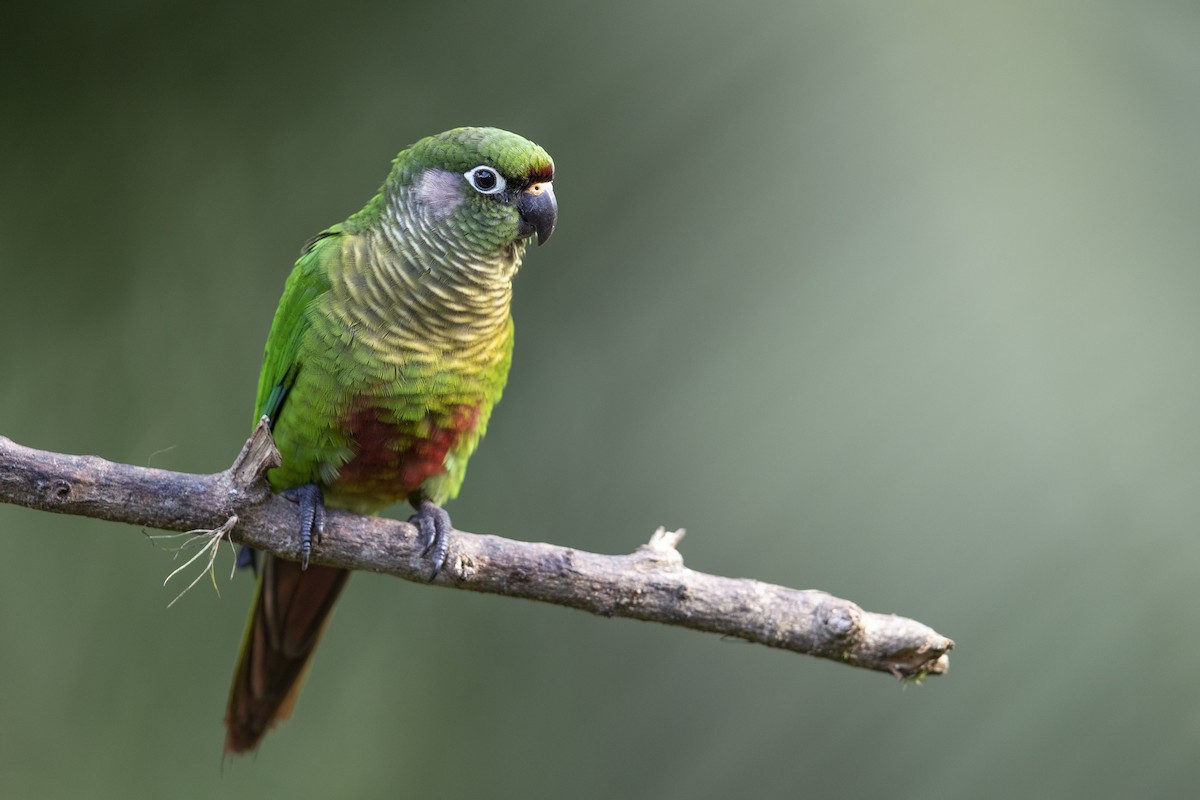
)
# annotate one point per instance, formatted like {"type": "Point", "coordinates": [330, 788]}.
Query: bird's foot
{"type": "Point", "coordinates": [247, 557]}
{"type": "Point", "coordinates": [434, 524]}
{"type": "Point", "coordinates": [312, 517]}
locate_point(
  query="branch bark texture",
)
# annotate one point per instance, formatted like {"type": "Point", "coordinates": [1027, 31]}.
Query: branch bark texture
{"type": "Point", "coordinates": [649, 584]}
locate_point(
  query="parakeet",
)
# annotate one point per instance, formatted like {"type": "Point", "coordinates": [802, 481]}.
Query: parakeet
{"type": "Point", "coordinates": [390, 346]}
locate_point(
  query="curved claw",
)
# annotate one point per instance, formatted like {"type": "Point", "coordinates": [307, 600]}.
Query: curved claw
{"type": "Point", "coordinates": [434, 524]}
{"type": "Point", "coordinates": [312, 517]}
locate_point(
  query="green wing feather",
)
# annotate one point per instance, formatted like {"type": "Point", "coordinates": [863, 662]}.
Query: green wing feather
{"type": "Point", "coordinates": [308, 281]}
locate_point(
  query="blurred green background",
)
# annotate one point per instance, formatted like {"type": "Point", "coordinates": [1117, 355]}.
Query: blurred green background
{"type": "Point", "coordinates": [895, 300]}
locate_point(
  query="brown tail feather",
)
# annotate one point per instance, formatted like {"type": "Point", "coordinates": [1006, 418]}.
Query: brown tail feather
{"type": "Point", "coordinates": [290, 612]}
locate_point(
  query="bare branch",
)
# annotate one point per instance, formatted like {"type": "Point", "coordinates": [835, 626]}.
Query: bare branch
{"type": "Point", "coordinates": [650, 584]}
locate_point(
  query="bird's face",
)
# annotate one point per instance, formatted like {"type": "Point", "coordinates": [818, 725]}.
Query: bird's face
{"type": "Point", "coordinates": [493, 187]}
{"type": "Point", "coordinates": [530, 195]}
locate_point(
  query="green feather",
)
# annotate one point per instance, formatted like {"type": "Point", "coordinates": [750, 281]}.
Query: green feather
{"type": "Point", "coordinates": [306, 283]}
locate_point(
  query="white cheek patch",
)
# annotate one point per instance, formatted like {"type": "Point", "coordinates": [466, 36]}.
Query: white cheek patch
{"type": "Point", "coordinates": [440, 190]}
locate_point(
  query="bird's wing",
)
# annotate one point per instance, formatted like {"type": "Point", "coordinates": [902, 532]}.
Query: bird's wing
{"type": "Point", "coordinates": [308, 281]}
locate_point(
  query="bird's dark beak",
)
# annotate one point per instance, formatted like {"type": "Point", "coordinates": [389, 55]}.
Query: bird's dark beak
{"type": "Point", "coordinates": [538, 210]}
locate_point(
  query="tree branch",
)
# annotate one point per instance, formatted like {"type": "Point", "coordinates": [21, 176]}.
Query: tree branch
{"type": "Point", "coordinates": [650, 584]}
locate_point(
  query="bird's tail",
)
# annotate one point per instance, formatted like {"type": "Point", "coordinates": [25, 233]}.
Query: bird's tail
{"type": "Point", "coordinates": [289, 614]}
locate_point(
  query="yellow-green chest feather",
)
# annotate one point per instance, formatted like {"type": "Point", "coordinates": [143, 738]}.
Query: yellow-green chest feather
{"type": "Point", "coordinates": [390, 371]}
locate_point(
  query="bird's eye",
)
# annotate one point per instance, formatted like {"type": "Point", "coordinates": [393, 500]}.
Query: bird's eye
{"type": "Point", "coordinates": [485, 180]}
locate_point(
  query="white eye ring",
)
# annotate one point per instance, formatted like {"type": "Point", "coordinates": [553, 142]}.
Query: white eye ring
{"type": "Point", "coordinates": [485, 179]}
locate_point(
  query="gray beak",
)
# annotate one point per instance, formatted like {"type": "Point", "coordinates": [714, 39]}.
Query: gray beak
{"type": "Point", "coordinates": [538, 210]}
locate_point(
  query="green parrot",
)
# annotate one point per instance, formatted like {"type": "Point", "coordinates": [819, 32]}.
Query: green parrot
{"type": "Point", "coordinates": [389, 349]}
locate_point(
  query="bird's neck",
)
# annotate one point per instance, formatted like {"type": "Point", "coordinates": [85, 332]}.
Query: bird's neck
{"type": "Point", "coordinates": [408, 273]}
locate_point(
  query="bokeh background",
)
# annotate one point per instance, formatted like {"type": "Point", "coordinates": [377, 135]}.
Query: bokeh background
{"type": "Point", "coordinates": [896, 300]}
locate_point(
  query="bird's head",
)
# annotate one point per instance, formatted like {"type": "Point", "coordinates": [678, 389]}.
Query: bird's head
{"type": "Point", "coordinates": [492, 187]}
